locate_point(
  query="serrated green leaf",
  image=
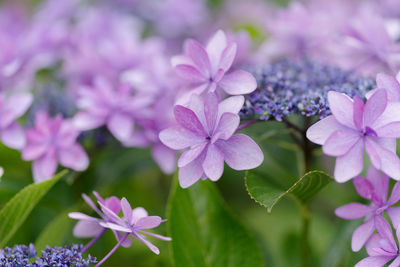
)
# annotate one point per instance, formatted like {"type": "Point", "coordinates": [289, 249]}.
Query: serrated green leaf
{"type": "Point", "coordinates": [267, 193]}
{"type": "Point", "coordinates": [15, 212]}
{"type": "Point", "coordinates": [205, 232]}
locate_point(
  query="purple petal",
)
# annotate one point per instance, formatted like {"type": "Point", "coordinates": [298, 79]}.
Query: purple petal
{"type": "Point", "coordinates": [395, 195]}
{"type": "Point", "coordinates": [126, 210]}
{"type": "Point", "coordinates": [390, 163]}
{"type": "Point", "coordinates": [181, 60]}
{"type": "Point", "coordinates": [385, 231]}
{"type": "Point", "coordinates": [44, 168]}
{"type": "Point", "coordinates": [82, 217]}
{"type": "Point", "coordinates": [191, 154]}
{"type": "Point", "coordinates": [238, 82]}
{"type": "Point", "coordinates": [188, 119]}
{"type": "Point", "coordinates": [391, 130]}
{"type": "Point", "coordinates": [215, 47]}
{"type": "Point", "coordinates": [197, 105]}
{"type": "Point", "coordinates": [211, 110]}
{"type": "Point", "coordinates": [228, 56]}
{"type": "Point", "coordinates": [390, 84]}
{"type": "Point", "coordinates": [353, 211]}
{"type": "Point", "coordinates": [362, 234]}
{"type": "Point", "coordinates": [395, 263]}
{"type": "Point", "coordinates": [86, 229]}
{"type": "Point", "coordinates": [241, 152]}
{"type": "Point", "coordinates": [213, 164]}
{"type": "Point", "coordinates": [126, 243]}
{"type": "Point", "coordinates": [376, 261]}
{"type": "Point", "coordinates": [364, 187]}
{"type": "Point", "coordinates": [391, 114]}
{"type": "Point", "coordinates": [74, 157]}
{"type": "Point", "coordinates": [138, 213]}
{"type": "Point", "coordinates": [372, 246]}
{"type": "Point", "coordinates": [13, 136]}
{"type": "Point", "coordinates": [116, 227]}
{"type": "Point", "coordinates": [87, 121]}
{"type": "Point", "coordinates": [340, 142]}
{"type": "Point", "coordinates": [155, 235]}
{"type": "Point", "coordinates": [121, 126]}
{"type": "Point", "coordinates": [147, 243]}
{"type": "Point", "coordinates": [350, 164]}
{"type": "Point", "coordinates": [394, 214]}
{"type": "Point", "coordinates": [370, 148]}
{"type": "Point", "coordinates": [227, 126]}
{"type": "Point", "coordinates": [192, 172]}
{"type": "Point", "coordinates": [374, 107]}
{"type": "Point", "coordinates": [91, 204]}
{"type": "Point", "coordinates": [178, 137]}
{"type": "Point", "coordinates": [113, 203]}
{"type": "Point", "coordinates": [112, 216]}
{"type": "Point", "coordinates": [199, 56]}
{"type": "Point", "coordinates": [165, 157]}
{"type": "Point", "coordinates": [15, 106]}
{"type": "Point", "coordinates": [231, 104]}
{"type": "Point", "coordinates": [190, 74]}
{"type": "Point", "coordinates": [148, 222]}
{"type": "Point", "coordinates": [358, 111]}
{"type": "Point", "coordinates": [342, 108]}
{"type": "Point", "coordinates": [320, 131]}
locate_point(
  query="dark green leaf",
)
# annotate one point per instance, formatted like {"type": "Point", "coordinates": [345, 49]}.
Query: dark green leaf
{"type": "Point", "coordinates": [205, 232]}
{"type": "Point", "coordinates": [14, 213]}
{"type": "Point", "coordinates": [267, 193]}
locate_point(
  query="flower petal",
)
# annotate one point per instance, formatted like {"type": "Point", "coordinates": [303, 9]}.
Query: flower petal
{"type": "Point", "coordinates": [148, 222]}
{"type": "Point", "coordinates": [213, 164]}
{"type": "Point", "coordinates": [362, 234]}
{"type": "Point", "coordinates": [228, 55]}
{"type": "Point", "coordinates": [87, 121]}
{"type": "Point", "coordinates": [390, 163]}
{"type": "Point", "coordinates": [391, 114]}
{"type": "Point", "coordinates": [199, 56]}
{"type": "Point", "coordinates": [395, 195]}
{"type": "Point", "coordinates": [231, 104]}
{"type": "Point", "coordinates": [364, 187]}
{"type": "Point", "coordinates": [320, 131]}
{"type": "Point", "coordinates": [188, 119]}
{"type": "Point", "coordinates": [147, 243]}
{"type": "Point", "coordinates": [374, 107]}
{"type": "Point", "coordinates": [44, 167]}
{"type": "Point", "coordinates": [353, 211]}
{"type": "Point", "coordinates": [14, 136]}
{"type": "Point", "coordinates": [341, 107]}
{"type": "Point", "coordinates": [126, 210]}
{"type": "Point", "coordinates": [211, 110]}
{"type": "Point", "coordinates": [86, 229]}
{"type": "Point", "coordinates": [241, 152]}
{"type": "Point", "coordinates": [350, 164]}
{"type": "Point", "coordinates": [394, 214]}
{"type": "Point", "coordinates": [189, 155]}
{"type": "Point", "coordinates": [391, 130]}
{"type": "Point", "coordinates": [215, 47]}
{"type": "Point", "coordinates": [165, 157]}
{"type": "Point", "coordinates": [385, 231]}
{"type": "Point", "coordinates": [138, 213]}
{"type": "Point", "coordinates": [375, 261]}
{"type": "Point", "coordinates": [190, 74]}
{"type": "Point", "coordinates": [340, 142]}
{"type": "Point", "coordinates": [227, 126]}
{"type": "Point", "coordinates": [372, 246]}
{"type": "Point", "coordinates": [121, 126]}
{"type": "Point", "coordinates": [238, 82]}
{"type": "Point", "coordinates": [390, 84]}
{"type": "Point", "coordinates": [178, 137]}
{"type": "Point", "coordinates": [115, 227]}
{"type": "Point", "coordinates": [14, 107]}
{"type": "Point", "coordinates": [192, 172]}
{"type": "Point", "coordinates": [358, 111]}
{"type": "Point", "coordinates": [74, 157]}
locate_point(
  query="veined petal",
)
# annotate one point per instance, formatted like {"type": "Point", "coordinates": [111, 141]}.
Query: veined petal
{"type": "Point", "coordinates": [116, 227]}
{"type": "Point", "coordinates": [394, 214]}
{"type": "Point", "coordinates": [215, 47]}
{"type": "Point", "coordinates": [238, 82]}
{"type": "Point", "coordinates": [227, 126]}
{"type": "Point", "coordinates": [148, 222]}
{"type": "Point", "coordinates": [353, 211]}
{"type": "Point", "coordinates": [192, 172]}
{"type": "Point", "coordinates": [361, 235]}
{"type": "Point", "coordinates": [228, 55]}
{"type": "Point", "coordinates": [390, 84]}
{"type": "Point", "coordinates": [391, 130]}
{"type": "Point", "coordinates": [190, 74]}
{"type": "Point", "coordinates": [147, 243]}
{"type": "Point", "coordinates": [374, 261]}
{"type": "Point", "coordinates": [191, 154]}
{"type": "Point", "coordinates": [340, 142]}
{"type": "Point", "coordinates": [364, 187]}
{"type": "Point", "coordinates": [374, 107]}
{"type": "Point", "coordinates": [358, 111]}
{"type": "Point", "coordinates": [231, 104]}
{"type": "Point", "coordinates": [341, 107]}
{"type": "Point", "coordinates": [178, 137]}
{"type": "Point", "coordinates": [350, 164]}
{"type": "Point", "coordinates": [385, 231]}
{"type": "Point", "coordinates": [213, 164]}
{"type": "Point", "coordinates": [395, 195]}
{"type": "Point", "coordinates": [188, 119]}
{"type": "Point", "coordinates": [391, 114]}
{"type": "Point", "coordinates": [126, 210]}
{"type": "Point", "coordinates": [320, 131]}
{"type": "Point", "coordinates": [199, 56]}
{"type": "Point", "coordinates": [390, 163]}
{"type": "Point", "coordinates": [211, 110]}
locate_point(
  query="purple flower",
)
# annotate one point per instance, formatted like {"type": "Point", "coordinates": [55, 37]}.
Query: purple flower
{"type": "Point", "coordinates": [354, 126]}
{"type": "Point", "coordinates": [389, 83]}
{"type": "Point", "coordinates": [382, 247]}
{"type": "Point", "coordinates": [205, 68]}
{"type": "Point", "coordinates": [375, 189]}
{"type": "Point", "coordinates": [207, 128]}
{"type": "Point", "coordinates": [11, 108]}
{"type": "Point", "coordinates": [116, 107]}
{"type": "Point", "coordinates": [50, 142]}
{"type": "Point", "coordinates": [90, 226]}
{"type": "Point", "coordinates": [133, 223]}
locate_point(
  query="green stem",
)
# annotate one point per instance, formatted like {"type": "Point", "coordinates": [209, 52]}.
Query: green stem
{"type": "Point", "coordinates": [305, 244]}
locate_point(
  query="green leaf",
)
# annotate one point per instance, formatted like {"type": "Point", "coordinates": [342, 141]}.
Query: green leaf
{"type": "Point", "coordinates": [267, 193]}
{"type": "Point", "coordinates": [55, 232]}
{"type": "Point", "coordinates": [205, 232]}
{"type": "Point", "coordinates": [15, 212]}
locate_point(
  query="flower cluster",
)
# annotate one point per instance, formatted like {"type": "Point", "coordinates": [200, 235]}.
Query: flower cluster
{"type": "Point", "coordinates": [132, 224]}
{"type": "Point", "coordinates": [21, 255]}
{"type": "Point", "coordinates": [300, 87]}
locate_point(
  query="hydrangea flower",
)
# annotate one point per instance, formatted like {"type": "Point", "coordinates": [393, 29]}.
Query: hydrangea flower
{"type": "Point", "coordinates": [88, 226]}
{"type": "Point", "coordinates": [50, 142]}
{"type": "Point", "coordinates": [207, 128]}
{"type": "Point", "coordinates": [11, 108]}
{"type": "Point", "coordinates": [133, 223]}
{"type": "Point", "coordinates": [389, 83]}
{"type": "Point", "coordinates": [299, 87]}
{"type": "Point", "coordinates": [382, 247]}
{"type": "Point", "coordinates": [374, 188]}
{"type": "Point", "coordinates": [355, 126]}
{"type": "Point", "coordinates": [205, 68]}
{"type": "Point", "coordinates": [21, 255]}
{"type": "Point", "coordinates": [116, 107]}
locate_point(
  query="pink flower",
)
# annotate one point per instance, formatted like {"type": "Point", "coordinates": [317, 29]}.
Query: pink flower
{"type": "Point", "coordinates": [382, 247]}
{"type": "Point", "coordinates": [50, 142]}
{"type": "Point", "coordinates": [11, 108]}
{"type": "Point", "coordinates": [354, 126]}
{"type": "Point", "coordinates": [104, 104]}
{"type": "Point", "coordinates": [389, 83]}
{"type": "Point", "coordinates": [207, 128]}
{"type": "Point", "coordinates": [375, 189]}
{"type": "Point", "coordinates": [205, 68]}
{"type": "Point", "coordinates": [133, 223]}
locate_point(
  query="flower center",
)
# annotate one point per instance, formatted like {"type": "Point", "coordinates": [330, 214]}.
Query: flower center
{"type": "Point", "coordinates": [369, 132]}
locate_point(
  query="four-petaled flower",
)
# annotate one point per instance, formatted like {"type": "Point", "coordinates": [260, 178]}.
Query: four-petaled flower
{"type": "Point", "coordinates": [374, 188]}
{"type": "Point", "coordinates": [205, 68]}
{"type": "Point", "coordinates": [354, 126]}
{"type": "Point", "coordinates": [52, 141]}
{"type": "Point", "coordinates": [207, 128]}
{"type": "Point", "coordinates": [133, 223]}
{"type": "Point", "coordinates": [382, 247]}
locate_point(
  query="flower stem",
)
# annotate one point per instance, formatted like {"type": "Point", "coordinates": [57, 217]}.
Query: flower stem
{"type": "Point", "coordinates": [113, 250]}
{"type": "Point", "coordinates": [88, 245]}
